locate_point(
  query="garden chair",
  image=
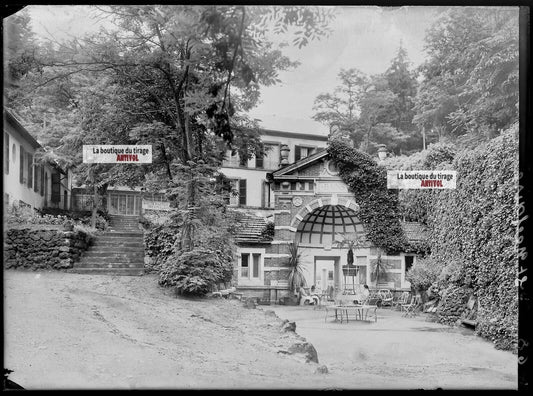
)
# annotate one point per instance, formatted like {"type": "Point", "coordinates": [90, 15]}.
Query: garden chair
{"type": "Point", "coordinates": [398, 302]}
{"type": "Point", "coordinates": [386, 297]}
{"type": "Point", "coordinates": [411, 309]}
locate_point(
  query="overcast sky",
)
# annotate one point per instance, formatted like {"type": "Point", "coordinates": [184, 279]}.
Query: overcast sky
{"type": "Point", "coordinates": [364, 37]}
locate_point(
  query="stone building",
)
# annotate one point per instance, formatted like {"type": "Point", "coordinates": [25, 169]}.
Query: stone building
{"type": "Point", "coordinates": [313, 207]}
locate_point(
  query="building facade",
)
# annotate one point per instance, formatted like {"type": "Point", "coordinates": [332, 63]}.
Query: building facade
{"type": "Point", "coordinates": [249, 176]}
{"type": "Point", "coordinates": [27, 183]}
{"type": "Point", "coordinates": [314, 208]}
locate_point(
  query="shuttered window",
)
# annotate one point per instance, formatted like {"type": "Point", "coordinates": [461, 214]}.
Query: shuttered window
{"type": "Point", "coordinates": [56, 187]}
{"type": "Point", "coordinates": [242, 192]}
{"type": "Point", "coordinates": [36, 181]}
{"type": "Point", "coordinates": [41, 186]}
{"type": "Point", "coordinates": [30, 170]}
{"type": "Point", "coordinates": [22, 155]}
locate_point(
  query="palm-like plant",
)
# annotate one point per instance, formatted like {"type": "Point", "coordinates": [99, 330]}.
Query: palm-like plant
{"type": "Point", "coordinates": [296, 269]}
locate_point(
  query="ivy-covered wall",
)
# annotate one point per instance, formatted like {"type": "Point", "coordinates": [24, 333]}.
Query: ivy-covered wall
{"type": "Point", "coordinates": [473, 229]}
{"type": "Point", "coordinates": [378, 205]}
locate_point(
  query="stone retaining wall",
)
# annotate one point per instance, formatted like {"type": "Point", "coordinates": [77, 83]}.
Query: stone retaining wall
{"type": "Point", "coordinates": [43, 249]}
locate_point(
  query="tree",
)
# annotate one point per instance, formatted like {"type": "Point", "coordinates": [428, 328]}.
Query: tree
{"type": "Point", "coordinates": [182, 76]}
{"type": "Point", "coordinates": [340, 110]}
{"type": "Point", "coordinates": [470, 81]}
{"type": "Point", "coordinates": [402, 83]}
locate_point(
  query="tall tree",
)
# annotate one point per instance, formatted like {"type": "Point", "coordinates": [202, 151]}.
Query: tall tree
{"type": "Point", "coordinates": [470, 80]}
{"type": "Point", "coordinates": [183, 77]}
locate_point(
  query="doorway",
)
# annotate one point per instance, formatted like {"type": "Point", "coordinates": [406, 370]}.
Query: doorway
{"type": "Point", "coordinates": [326, 273]}
{"type": "Point", "coordinates": [124, 204]}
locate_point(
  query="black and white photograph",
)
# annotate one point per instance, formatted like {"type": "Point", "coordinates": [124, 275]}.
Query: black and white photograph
{"type": "Point", "coordinates": [301, 197]}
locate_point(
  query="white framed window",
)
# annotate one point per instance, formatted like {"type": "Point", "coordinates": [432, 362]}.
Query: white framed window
{"type": "Point", "coordinates": [250, 265]}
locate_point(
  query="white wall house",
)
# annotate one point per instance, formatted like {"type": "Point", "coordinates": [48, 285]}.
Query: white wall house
{"type": "Point", "coordinates": [249, 176]}
{"type": "Point", "coordinates": [25, 182]}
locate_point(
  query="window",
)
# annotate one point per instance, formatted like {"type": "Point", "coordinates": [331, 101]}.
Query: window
{"type": "Point", "coordinates": [30, 170]}
{"type": "Point", "coordinates": [245, 270]}
{"type": "Point", "coordinates": [232, 158]}
{"type": "Point", "coordinates": [408, 262]}
{"type": "Point", "coordinates": [271, 159]}
{"type": "Point", "coordinates": [56, 188]}
{"type": "Point", "coordinates": [259, 161]}
{"type": "Point", "coordinates": [14, 153]}
{"type": "Point", "coordinates": [302, 152]}
{"type": "Point", "coordinates": [22, 155]}
{"type": "Point", "coordinates": [242, 192]}
{"type": "Point", "coordinates": [6, 153]}
{"type": "Point", "coordinates": [41, 184]}
{"type": "Point", "coordinates": [250, 268]}
{"type": "Point", "coordinates": [36, 176]}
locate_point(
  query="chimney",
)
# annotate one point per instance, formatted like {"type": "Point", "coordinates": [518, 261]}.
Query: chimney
{"type": "Point", "coordinates": [284, 155]}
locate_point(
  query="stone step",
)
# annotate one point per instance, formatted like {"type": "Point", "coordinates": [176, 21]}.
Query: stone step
{"type": "Point", "coordinates": [118, 246]}
{"type": "Point", "coordinates": [122, 233]}
{"type": "Point", "coordinates": [108, 271]}
{"type": "Point", "coordinates": [112, 259]}
{"type": "Point", "coordinates": [118, 239]}
{"type": "Point", "coordinates": [122, 253]}
{"type": "Point", "coordinates": [110, 249]}
{"type": "Point", "coordinates": [106, 265]}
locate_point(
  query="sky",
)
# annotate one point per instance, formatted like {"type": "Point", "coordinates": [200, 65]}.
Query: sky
{"type": "Point", "coordinates": [363, 37]}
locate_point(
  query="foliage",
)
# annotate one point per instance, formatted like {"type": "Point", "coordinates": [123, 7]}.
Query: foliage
{"type": "Point", "coordinates": [80, 217]}
{"type": "Point", "coordinates": [267, 233]}
{"type": "Point", "coordinates": [195, 272]}
{"type": "Point", "coordinates": [378, 205]}
{"type": "Point", "coordinates": [296, 275]}
{"type": "Point", "coordinates": [470, 80]}
{"type": "Point", "coordinates": [480, 233]}
{"type": "Point", "coordinates": [372, 110]}
{"type": "Point", "coordinates": [414, 204]}
{"type": "Point", "coordinates": [159, 242]}
{"type": "Point", "coordinates": [423, 274]}
{"type": "Point", "coordinates": [80, 220]}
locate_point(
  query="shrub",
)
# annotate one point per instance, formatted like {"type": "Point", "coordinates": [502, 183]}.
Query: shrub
{"type": "Point", "coordinates": [423, 274]}
{"type": "Point", "coordinates": [195, 272]}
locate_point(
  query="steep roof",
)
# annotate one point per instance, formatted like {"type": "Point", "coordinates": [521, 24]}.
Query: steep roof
{"type": "Point", "coordinates": [11, 119]}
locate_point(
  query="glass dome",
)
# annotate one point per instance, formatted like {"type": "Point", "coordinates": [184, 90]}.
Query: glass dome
{"type": "Point", "coordinates": [321, 225]}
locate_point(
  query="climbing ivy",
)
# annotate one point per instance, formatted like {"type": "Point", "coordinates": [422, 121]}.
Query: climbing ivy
{"type": "Point", "coordinates": [474, 228]}
{"type": "Point", "coordinates": [378, 205]}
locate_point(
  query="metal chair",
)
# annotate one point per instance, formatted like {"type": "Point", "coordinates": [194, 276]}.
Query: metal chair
{"type": "Point", "coordinates": [411, 309]}
{"type": "Point", "coordinates": [398, 302]}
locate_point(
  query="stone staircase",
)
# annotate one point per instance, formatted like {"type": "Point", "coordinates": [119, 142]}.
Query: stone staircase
{"type": "Point", "coordinates": [119, 251]}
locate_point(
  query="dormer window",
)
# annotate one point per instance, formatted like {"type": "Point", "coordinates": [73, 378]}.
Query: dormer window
{"type": "Point", "coordinates": [301, 152]}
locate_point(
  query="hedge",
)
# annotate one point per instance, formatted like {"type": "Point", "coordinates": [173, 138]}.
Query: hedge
{"type": "Point", "coordinates": [476, 225]}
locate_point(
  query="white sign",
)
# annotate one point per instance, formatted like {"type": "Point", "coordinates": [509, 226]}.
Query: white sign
{"type": "Point", "coordinates": [156, 205]}
{"type": "Point", "coordinates": [117, 154]}
{"type": "Point", "coordinates": [442, 179]}
{"type": "Point", "coordinates": [331, 187]}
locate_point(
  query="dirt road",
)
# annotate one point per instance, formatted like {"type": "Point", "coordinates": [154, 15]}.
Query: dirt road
{"type": "Point", "coordinates": [71, 331]}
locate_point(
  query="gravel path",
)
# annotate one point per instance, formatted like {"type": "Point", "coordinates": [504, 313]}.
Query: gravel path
{"type": "Point", "coordinates": [71, 331]}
